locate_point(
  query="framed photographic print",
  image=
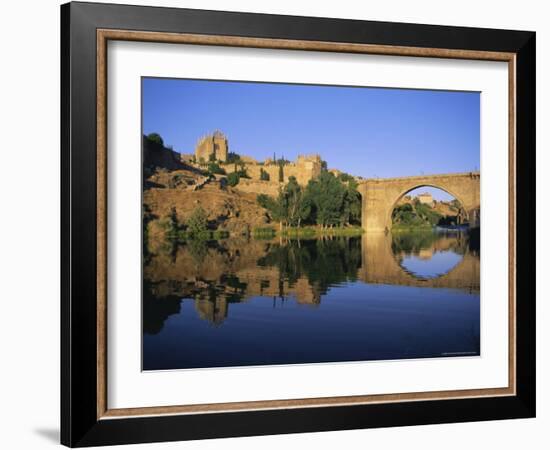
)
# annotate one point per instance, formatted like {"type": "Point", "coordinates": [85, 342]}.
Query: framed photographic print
{"type": "Point", "coordinates": [276, 224]}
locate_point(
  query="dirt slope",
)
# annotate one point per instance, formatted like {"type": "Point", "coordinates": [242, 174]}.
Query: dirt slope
{"type": "Point", "coordinates": [227, 208]}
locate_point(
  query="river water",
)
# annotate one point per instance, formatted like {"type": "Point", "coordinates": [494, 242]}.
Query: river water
{"type": "Point", "coordinates": [241, 302]}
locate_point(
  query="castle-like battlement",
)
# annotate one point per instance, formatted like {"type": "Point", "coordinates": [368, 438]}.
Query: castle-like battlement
{"type": "Point", "coordinates": [212, 146]}
{"type": "Point", "coordinates": [314, 157]}
{"type": "Point", "coordinates": [215, 146]}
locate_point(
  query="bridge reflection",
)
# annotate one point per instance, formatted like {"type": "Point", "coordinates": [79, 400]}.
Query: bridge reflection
{"type": "Point", "coordinates": [215, 274]}
{"type": "Point", "coordinates": [381, 262]}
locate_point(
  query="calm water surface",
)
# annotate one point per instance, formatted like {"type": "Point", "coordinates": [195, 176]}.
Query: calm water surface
{"type": "Point", "coordinates": [256, 302]}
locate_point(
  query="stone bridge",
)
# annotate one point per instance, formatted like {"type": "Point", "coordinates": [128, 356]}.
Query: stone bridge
{"type": "Point", "coordinates": [379, 196]}
{"type": "Point", "coordinates": [381, 266]}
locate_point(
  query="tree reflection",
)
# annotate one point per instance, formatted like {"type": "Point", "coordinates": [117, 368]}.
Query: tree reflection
{"type": "Point", "coordinates": [215, 274]}
{"type": "Point", "coordinates": [324, 262]}
{"type": "Point", "coordinates": [157, 309]}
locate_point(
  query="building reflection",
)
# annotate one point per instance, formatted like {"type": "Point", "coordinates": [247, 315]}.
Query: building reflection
{"type": "Point", "coordinates": [215, 274]}
{"type": "Point", "coordinates": [212, 309]}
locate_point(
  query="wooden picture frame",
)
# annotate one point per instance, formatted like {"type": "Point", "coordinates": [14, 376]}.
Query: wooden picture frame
{"type": "Point", "coordinates": [86, 418]}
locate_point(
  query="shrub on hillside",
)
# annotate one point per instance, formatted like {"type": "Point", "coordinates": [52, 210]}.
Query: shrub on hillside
{"type": "Point", "coordinates": [233, 179]}
{"type": "Point", "coordinates": [214, 168]}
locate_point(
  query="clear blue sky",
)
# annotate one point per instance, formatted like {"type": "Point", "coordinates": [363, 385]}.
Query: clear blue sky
{"type": "Point", "coordinates": [370, 132]}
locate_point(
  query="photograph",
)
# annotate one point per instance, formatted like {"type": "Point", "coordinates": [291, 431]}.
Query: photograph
{"type": "Point", "coordinates": [300, 224]}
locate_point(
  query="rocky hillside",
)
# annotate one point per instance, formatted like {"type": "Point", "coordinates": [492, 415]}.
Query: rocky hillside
{"type": "Point", "coordinates": [442, 207]}
{"type": "Point", "coordinates": [187, 189]}
{"type": "Point", "coordinates": [445, 208]}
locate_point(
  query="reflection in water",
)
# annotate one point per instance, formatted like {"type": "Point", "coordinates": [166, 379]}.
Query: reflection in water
{"type": "Point", "coordinates": [430, 265]}
{"type": "Point", "coordinates": [429, 255]}
{"type": "Point", "coordinates": [254, 302]}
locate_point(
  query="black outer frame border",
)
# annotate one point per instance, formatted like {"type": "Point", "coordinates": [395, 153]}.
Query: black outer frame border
{"type": "Point", "coordinates": [79, 425]}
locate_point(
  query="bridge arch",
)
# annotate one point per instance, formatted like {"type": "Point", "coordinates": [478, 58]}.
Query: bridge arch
{"type": "Point", "coordinates": [379, 196]}
{"type": "Point", "coordinates": [421, 185]}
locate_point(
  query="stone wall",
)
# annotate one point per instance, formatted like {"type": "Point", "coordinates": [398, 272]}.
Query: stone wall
{"type": "Point", "coordinates": [258, 187]}
{"type": "Point", "coordinates": [187, 157]}
{"type": "Point", "coordinates": [304, 169]}
{"type": "Point", "coordinates": [425, 198]}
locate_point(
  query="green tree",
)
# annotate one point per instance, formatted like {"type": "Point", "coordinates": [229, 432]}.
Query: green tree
{"type": "Point", "coordinates": [281, 173]}
{"type": "Point", "coordinates": [155, 138]}
{"type": "Point", "coordinates": [326, 201]}
{"type": "Point", "coordinates": [416, 214]}
{"type": "Point", "coordinates": [404, 214]}
{"type": "Point", "coordinates": [233, 157]}
{"type": "Point", "coordinates": [427, 214]}
{"type": "Point", "coordinates": [296, 204]}
{"type": "Point", "coordinates": [326, 194]}
{"type": "Point", "coordinates": [345, 177]}
{"type": "Point", "coordinates": [233, 178]}
{"type": "Point", "coordinates": [304, 209]}
{"type": "Point", "coordinates": [277, 207]}
{"type": "Point", "coordinates": [351, 205]}
{"type": "Point", "coordinates": [198, 222]}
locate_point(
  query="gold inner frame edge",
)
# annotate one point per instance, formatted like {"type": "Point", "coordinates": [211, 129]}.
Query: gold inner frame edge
{"type": "Point", "coordinates": [103, 36]}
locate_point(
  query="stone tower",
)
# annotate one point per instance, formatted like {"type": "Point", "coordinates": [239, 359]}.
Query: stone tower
{"type": "Point", "coordinates": [212, 144]}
